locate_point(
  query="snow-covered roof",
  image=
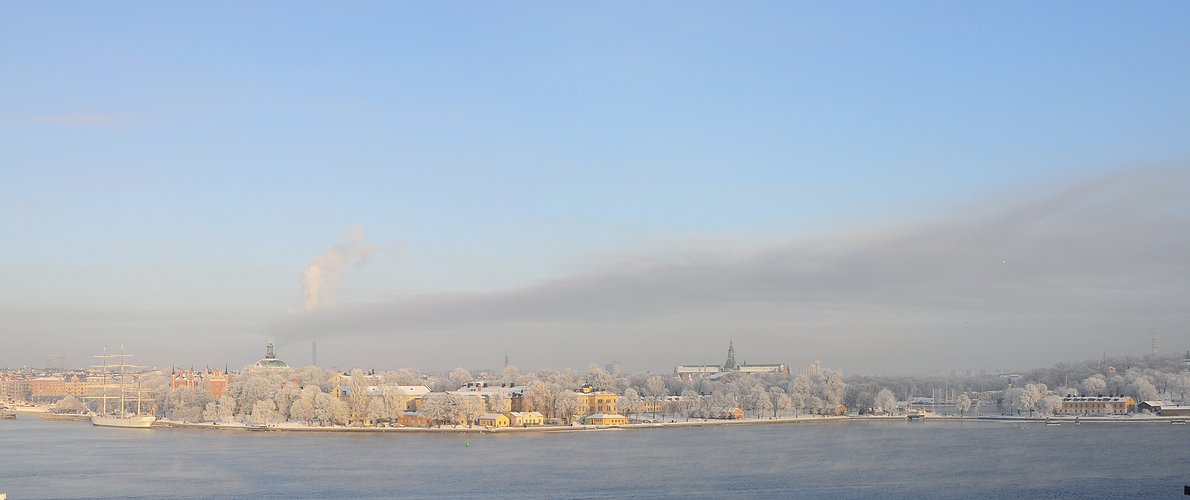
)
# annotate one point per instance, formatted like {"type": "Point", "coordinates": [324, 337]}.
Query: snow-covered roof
{"type": "Point", "coordinates": [605, 415]}
{"type": "Point", "coordinates": [1095, 399]}
{"type": "Point", "coordinates": [490, 416]}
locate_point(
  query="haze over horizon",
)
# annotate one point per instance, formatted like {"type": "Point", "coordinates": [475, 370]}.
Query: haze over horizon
{"type": "Point", "coordinates": [884, 189]}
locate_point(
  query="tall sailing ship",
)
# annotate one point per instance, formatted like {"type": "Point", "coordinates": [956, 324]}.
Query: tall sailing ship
{"type": "Point", "coordinates": [120, 415]}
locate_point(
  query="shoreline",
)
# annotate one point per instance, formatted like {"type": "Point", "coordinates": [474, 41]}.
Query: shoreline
{"type": "Point", "coordinates": [298, 427]}
{"type": "Point", "coordinates": [501, 430]}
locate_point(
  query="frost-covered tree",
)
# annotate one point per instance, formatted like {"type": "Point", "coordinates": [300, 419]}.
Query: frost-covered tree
{"type": "Point", "coordinates": [69, 404]}
{"type": "Point", "coordinates": [797, 401]}
{"type": "Point", "coordinates": [630, 403]}
{"type": "Point", "coordinates": [885, 401]}
{"type": "Point", "coordinates": [395, 400]}
{"type": "Point", "coordinates": [226, 408]}
{"type": "Point", "coordinates": [303, 407]}
{"type": "Point", "coordinates": [689, 402]}
{"type": "Point", "coordinates": [512, 376]}
{"type": "Point", "coordinates": [435, 407]}
{"type": "Point", "coordinates": [802, 385]}
{"type": "Point", "coordinates": [831, 388]}
{"type": "Point", "coordinates": [377, 411]}
{"type": "Point", "coordinates": [599, 379]}
{"type": "Point", "coordinates": [566, 404]}
{"type": "Point", "coordinates": [762, 403]}
{"type": "Point", "coordinates": [1049, 404]}
{"type": "Point", "coordinates": [328, 409]}
{"type": "Point", "coordinates": [211, 413]}
{"type": "Point", "coordinates": [470, 408]}
{"type": "Point", "coordinates": [1094, 385]}
{"type": "Point", "coordinates": [1116, 384]}
{"type": "Point", "coordinates": [1144, 390]}
{"type": "Point", "coordinates": [655, 388]}
{"type": "Point", "coordinates": [499, 403]}
{"type": "Point", "coordinates": [460, 377]}
{"type": "Point", "coordinates": [284, 399]}
{"type": "Point", "coordinates": [783, 403]}
{"type": "Point", "coordinates": [815, 403]}
{"type": "Point", "coordinates": [1031, 394]}
{"type": "Point", "coordinates": [408, 376]}
{"type": "Point", "coordinates": [187, 403]}
{"type": "Point", "coordinates": [540, 397]}
{"type": "Point", "coordinates": [264, 412]}
{"type": "Point", "coordinates": [357, 398]}
{"type": "Point", "coordinates": [963, 404]}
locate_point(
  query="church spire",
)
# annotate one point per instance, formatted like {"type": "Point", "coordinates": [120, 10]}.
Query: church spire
{"type": "Point", "coordinates": [730, 364]}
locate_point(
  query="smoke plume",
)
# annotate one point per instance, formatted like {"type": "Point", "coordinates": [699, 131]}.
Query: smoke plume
{"type": "Point", "coordinates": [320, 281]}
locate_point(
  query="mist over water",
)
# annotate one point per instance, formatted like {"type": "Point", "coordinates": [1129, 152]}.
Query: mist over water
{"type": "Point", "coordinates": [857, 459]}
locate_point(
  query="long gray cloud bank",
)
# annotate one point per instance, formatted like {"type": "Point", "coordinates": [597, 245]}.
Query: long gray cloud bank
{"type": "Point", "coordinates": [1088, 267]}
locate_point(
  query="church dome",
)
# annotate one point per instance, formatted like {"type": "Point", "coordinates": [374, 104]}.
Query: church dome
{"type": "Point", "coordinates": [270, 359]}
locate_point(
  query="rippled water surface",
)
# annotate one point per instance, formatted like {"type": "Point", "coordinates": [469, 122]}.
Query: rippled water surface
{"type": "Point", "coordinates": [858, 459]}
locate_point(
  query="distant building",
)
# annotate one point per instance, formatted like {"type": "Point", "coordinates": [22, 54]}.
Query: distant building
{"type": "Point", "coordinates": [55, 362]}
{"type": "Point", "coordinates": [691, 372]}
{"type": "Point", "coordinates": [781, 368]}
{"type": "Point", "coordinates": [1097, 406]}
{"type": "Point", "coordinates": [614, 368]}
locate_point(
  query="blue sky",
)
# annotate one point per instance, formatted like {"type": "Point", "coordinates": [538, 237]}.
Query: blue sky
{"type": "Point", "coordinates": [172, 168]}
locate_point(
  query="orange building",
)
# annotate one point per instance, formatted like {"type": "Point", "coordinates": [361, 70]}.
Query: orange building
{"type": "Point", "coordinates": [213, 381]}
{"type": "Point", "coordinates": [46, 388]}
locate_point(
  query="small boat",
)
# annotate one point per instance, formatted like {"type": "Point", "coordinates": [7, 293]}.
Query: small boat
{"type": "Point", "coordinates": [915, 416]}
{"type": "Point", "coordinates": [1178, 422]}
{"type": "Point", "coordinates": [1047, 424]}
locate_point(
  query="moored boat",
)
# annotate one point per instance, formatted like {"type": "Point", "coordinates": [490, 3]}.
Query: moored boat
{"type": "Point", "coordinates": [140, 422]}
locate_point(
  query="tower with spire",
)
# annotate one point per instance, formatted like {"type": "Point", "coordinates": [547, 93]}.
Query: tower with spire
{"type": "Point", "coordinates": [730, 364]}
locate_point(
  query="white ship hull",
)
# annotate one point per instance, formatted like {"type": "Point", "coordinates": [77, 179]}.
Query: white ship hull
{"type": "Point", "coordinates": [108, 421]}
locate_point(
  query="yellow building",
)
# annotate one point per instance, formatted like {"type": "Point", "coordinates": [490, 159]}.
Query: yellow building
{"type": "Point", "coordinates": [525, 418]}
{"type": "Point", "coordinates": [591, 401]}
{"type": "Point", "coordinates": [493, 420]}
{"type": "Point", "coordinates": [669, 405]}
{"type": "Point", "coordinates": [606, 419]}
{"type": "Point", "coordinates": [1093, 406]}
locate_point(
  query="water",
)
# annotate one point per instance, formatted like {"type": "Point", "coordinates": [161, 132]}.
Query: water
{"type": "Point", "coordinates": [858, 459]}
